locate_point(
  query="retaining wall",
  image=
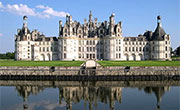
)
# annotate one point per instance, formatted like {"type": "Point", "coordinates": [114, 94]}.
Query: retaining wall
{"type": "Point", "coordinates": [45, 70]}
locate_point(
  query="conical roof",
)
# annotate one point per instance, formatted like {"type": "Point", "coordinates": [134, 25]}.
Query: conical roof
{"type": "Point", "coordinates": [159, 32]}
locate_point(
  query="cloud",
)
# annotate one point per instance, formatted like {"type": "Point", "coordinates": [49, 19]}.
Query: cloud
{"type": "Point", "coordinates": [1, 34]}
{"type": "Point", "coordinates": [50, 11]}
{"type": "Point", "coordinates": [22, 9]}
{"type": "Point", "coordinates": [1, 5]}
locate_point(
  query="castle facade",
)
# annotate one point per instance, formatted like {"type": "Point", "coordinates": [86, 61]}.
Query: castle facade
{"type": "Point", "coordinates": [91, 40]}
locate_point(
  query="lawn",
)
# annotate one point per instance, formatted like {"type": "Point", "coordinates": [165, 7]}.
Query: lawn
{"type": "Point", "coordinates": [40, 63]}
{"type": "Point", "coordinates": [139, 63]}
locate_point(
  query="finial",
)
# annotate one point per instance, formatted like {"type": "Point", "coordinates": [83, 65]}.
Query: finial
{"type": "Point", "coordinates": [25, 17]}
{"type": "Point", "coordinates": [158, 17]}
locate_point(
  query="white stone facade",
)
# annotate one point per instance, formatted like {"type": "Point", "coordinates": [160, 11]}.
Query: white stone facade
{"type": "Point", "coordinates": [91, 40]}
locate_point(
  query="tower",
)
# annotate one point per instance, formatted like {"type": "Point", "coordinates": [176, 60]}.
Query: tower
{"type": "Point", "coordinates": [157, 42]}
{"type": "Point", "coordinates": [111, 26]}
{"type": "Point", "coordinates": [25, 24]}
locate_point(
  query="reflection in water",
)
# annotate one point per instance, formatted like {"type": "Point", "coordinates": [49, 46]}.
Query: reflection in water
{"type": "Point", "coordinates": [25, 91]}
{"type": "Point", "coordinates": [90, 94]}
{"type": "Point", "coordinates": [158, 91]}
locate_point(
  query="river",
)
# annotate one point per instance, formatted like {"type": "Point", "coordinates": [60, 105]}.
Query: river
{"type": "Point", "coordinates": [99, 95]}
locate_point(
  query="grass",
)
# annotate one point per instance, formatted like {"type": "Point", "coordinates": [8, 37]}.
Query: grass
{"type": "Point", "coordinates": [174, 57]}
{"type": "Point", "coordinates": [139, 63]}
{"type": "Point", "coordinates": [40, 63]}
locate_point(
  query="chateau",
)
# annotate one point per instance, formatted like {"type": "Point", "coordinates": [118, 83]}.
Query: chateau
{"type": "Point", "coordinates": [91, 40]}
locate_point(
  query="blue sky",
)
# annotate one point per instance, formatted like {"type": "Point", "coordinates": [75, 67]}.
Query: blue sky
{"type": "Point", "coordinates": [137, 16]}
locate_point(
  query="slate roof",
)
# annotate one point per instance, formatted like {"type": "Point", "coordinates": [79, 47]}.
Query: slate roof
{"type": "Point", "coordinates": [158, 34]}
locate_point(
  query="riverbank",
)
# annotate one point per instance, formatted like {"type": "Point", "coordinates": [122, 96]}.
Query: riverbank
{"type": "Point", "coordinates": [113, 73]}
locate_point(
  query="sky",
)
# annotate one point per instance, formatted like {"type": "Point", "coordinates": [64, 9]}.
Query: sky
{"type": "Point", "coordinates": [136, 16]}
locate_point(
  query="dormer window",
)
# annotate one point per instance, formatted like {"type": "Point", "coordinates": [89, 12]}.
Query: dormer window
{"type": "Point", "coordinates": [65, 30]}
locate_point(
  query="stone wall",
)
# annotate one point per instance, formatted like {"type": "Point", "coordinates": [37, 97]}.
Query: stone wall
{"type": "Point", "coordinates": [45, 70]}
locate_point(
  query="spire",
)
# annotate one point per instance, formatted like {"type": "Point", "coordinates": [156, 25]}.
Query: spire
{"type": "Point", "coordinates": [25, 21]}
{"type": "Point", "coordinates": [90, 16]}
{"type": "Point", "coordinates": [159, 32]}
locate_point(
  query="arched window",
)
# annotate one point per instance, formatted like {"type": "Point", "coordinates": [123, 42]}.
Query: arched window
{"type": "Point", "coordinates": [65, 30]}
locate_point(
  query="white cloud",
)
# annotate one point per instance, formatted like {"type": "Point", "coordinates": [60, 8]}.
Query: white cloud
{"type": "Point", "coordinates": [22, 9]}
{"type": "Point", "coordinates": [1, 34]}
{"type": "Point", "coordinates": [1, 5]}
{"type": "Point", "coordinates": [50, 11]}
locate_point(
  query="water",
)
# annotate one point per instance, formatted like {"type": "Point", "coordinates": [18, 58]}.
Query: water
{"type": "Point", "coordinates": [67, 95]}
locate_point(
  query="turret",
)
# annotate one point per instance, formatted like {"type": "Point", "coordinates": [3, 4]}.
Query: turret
{"type": "Point", "coordinates": [25, 24]}
{"type": "Point", "coordinates": [60, 28]}
{"type": "Point", "coordinates": [90, 17]}
{"type": "Point", "coordinates": [111, 26]}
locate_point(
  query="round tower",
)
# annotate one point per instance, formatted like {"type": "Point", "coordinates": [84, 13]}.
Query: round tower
{"type": "Point", "coordinates": [157, 43]}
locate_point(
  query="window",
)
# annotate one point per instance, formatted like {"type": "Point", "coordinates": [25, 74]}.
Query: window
{"type": "Point", "coordinates": [136, 48]}
{"type": "Point", "coordinates": [116, 48]}
{"type": "Point", "coordinates": [116, 55]}
{"type": "Point", "coordinates": [79, 48]}
{"type": "Point", "coordinates": [147, 49]}
{"type": "Point", "coordinates": [87, 55]}
{"type": "Point", "coordinates": [64, 41]}
{"type": "Point", "coordinates": [90, 42]}
{"type": "Point", "coordinates": [47, 48]}
{"type": "Point", "coordinates": [132, 48]}
{"type": "Point", "coordinates": [140, 49]}
{"type": "Point", "coordinates": [166, 55]}
{"type": "Point", "coordinates": [93, 55]}
{"type": "Point", "coordinates": [129, 48]}
{"type": "Point", "coordinates": [87, 49]}
{"type": "Point", "coordinates": [90, 49]}
{"type": "Point", "coordinates": [119, 55]}
{"type": "Point", "coordinates": [119, 41]}
{"type": "Point", "coordinates": [93, 42]}
{"type": "Point", "coordinates": [119, 48]}
{"type": "Point", "coordinates": [40, 49]}
{"type": "Point", "coordinates": [79, 55]}
{"type": "Point", "coordinates": [28, 42]}
{"type": "Point", "coordinates": [93, 49]}
{"type": "Point", "coordinates": [87, 43]}
{"type": "Point", "coordinates": [64, 55]}
{"type": "Point", "coordinates": [125, 48]}
{"type": "Point", "coordinates": [43, 49]}
{"type": "Point", "coordinates": [64, 48]}
{"type": "Point", "coordinates": [65, 30]}
{"type": "Point", "coordinates": [166, 48]}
